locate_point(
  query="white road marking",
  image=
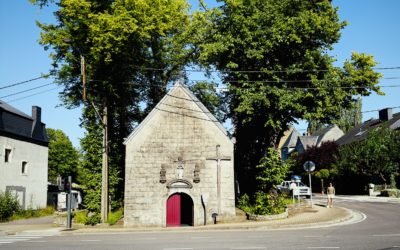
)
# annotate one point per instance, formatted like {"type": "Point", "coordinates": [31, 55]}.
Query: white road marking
{"type": "Point", "coordinates": [323, 247]}
{"type": "Point", "coordinates": [33, 235]}
{"type": "Point", "coordinates": [38, 241]}
{"type": "Point", "coordinates": [149, 238]}
{"type": "Point", "coordinates": [247, 248]}
{"type": "Point", "coordinates": [22, 237]}
{"type": "Point", "coordinates": [386, 235]}
{"type": "Point", "coordinates": [90, 240]}
{"type": "Point", "coordinates": [12, 239]}
{"type": "Point", "coordinates": [178, 249]}
{"type": "Point", "coordinates": [201, 237]}
{"type": "Point", "coordinates": [28, 236]}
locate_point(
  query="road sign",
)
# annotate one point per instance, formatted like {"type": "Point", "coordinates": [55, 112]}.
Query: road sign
{"type": "Point", "coordinates": [309, 166]}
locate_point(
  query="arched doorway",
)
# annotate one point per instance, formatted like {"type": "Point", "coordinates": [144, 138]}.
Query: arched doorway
{"type": "Point", "coordinates": [179, 210]}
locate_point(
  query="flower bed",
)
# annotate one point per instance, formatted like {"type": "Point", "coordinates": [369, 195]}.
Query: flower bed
{"type": "Point", "coordinates": [256, 217]}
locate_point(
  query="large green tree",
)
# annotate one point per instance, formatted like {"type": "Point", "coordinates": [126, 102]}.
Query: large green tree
{"type": "Point", "coordinates": [348, 118]}
{"type": "Point", "coordinates": [63, 157]}
{"type": "Point", "coordinates": [375, 159]}
{"type": "Point", "coordinates": [132, 50]}
{"type": "Point", "coordinates": [273, 57]}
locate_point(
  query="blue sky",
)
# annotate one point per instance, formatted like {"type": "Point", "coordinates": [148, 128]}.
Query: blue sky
{"type": "Point", "coordinates": [373, 29]}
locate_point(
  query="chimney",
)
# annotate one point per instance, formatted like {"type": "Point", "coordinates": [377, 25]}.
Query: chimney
{"type": "Point", "coordinates": [385, 114]}
{"type": "Point", "coordinates": [37, 122]}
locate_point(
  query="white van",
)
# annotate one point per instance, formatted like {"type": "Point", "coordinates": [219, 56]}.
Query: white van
{"type": "Point", "coordinates": [300, 190]}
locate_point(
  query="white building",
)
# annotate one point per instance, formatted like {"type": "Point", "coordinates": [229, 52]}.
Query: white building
{"type": "Point", "coordinates": [23, 156]}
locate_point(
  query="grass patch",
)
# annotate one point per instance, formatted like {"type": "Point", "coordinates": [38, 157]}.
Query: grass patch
{"type": "Point", "coordinates": [80, 217]}
{"type": "Point", "coordinates": [115, 216]}
{"type": "Point", "coordinates": [30, 213]}
{"type": "Point", "coordinates": [86, 218]}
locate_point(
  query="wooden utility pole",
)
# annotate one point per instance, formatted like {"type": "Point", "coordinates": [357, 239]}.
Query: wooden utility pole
{"type": "Point", "coordinates": [83, 75]}
{"type": "Point", "coordinates": [104, 166]}
{"type": "Point", "coordinates": [104, 172]}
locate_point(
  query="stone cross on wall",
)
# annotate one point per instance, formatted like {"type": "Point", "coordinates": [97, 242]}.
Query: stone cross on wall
{"type": "Point", "coordinates": [218, 159]}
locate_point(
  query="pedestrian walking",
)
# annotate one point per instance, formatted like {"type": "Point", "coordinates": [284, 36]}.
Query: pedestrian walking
{"type": "Point", "coordinates": [330, 193]}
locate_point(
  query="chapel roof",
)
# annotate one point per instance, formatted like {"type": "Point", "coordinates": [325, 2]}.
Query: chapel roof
{"type": "Point", "coordinates": [162, 106]}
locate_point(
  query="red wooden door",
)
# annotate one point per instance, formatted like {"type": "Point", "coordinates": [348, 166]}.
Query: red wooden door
{"type": "Point", "coordinates": [174, 210]}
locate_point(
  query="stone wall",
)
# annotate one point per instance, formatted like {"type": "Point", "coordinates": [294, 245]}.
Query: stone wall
{"type": "Point", "coordinates": [176, 129]}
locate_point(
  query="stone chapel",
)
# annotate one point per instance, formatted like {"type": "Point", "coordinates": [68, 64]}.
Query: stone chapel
{"type": "Point", "coordinates": [179, 166]}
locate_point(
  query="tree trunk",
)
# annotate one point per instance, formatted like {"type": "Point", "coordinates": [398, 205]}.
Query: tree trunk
{"type": "Point", "coordinates": [322, 186]}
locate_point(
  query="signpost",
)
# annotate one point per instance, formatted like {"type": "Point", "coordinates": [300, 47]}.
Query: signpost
{"type": "Point", "coordinates": [309, 166]}
{"type": "Point", "coordinates": [69, 202]}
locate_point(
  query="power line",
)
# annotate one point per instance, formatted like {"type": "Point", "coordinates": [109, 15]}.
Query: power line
{"type": "Point", "coordinates": [227, 71]}
{"type": "Point", "coordinates": [375, 110]}
{"type": "Point", "coordinates": [266, 71]}
{"type": "Point", "coordinates": [186, 115]}
{"type": "Point", "coordinates": [19, 83]}
{"type": "Point", "coordinates": [38, 93]}
{"type": "Point", "coordinates": [23, 91]}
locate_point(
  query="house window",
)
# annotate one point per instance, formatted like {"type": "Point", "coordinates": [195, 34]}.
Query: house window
{"type": "Point", "coordinates": [24, 169]}
{"type": "Point", "coordinates": [7, 155]}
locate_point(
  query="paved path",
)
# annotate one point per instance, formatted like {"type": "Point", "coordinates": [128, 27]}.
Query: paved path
{"type": "Point", "coordinates": [29, 225]}
{"type": "Point", "coordinates": [318, 216]}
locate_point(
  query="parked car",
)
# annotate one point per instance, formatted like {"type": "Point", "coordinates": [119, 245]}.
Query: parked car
{"type": "Point", "coordinates": [300, 190]}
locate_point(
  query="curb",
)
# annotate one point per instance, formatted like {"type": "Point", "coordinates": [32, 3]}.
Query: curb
{"type": "Point", "coordinates": [349, 218]}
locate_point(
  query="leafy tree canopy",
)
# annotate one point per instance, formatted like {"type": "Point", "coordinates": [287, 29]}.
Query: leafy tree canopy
{"type": "Point", "coordinates": [273, 170]}
{"type": "Point", "coordinates": [323, 156]}
{"type": "Point", "coordinates": [272, 54]}
{"type": "Point", "coordinates": [377, 156]}
{"type": "Point", "coordinates": [132, 49]}
{"type": "Point", "coordinates": [348, 118]}
{"type": "Point", "coordinates": [63, 157]}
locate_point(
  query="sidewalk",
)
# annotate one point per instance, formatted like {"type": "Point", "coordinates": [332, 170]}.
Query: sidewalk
{"type": "Point", "coordinates": [318, 216]}
{"type": "Point", "coordinates": [35, 224]}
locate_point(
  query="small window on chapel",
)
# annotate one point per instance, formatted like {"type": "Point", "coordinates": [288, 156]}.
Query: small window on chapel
{"type": "Point", "coordinates": [24, 169]}
{"type": "Point", "coordinates": [7, 155]}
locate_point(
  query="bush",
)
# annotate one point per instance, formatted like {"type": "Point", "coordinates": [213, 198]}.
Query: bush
{"type": "Point", "coordinates": [93, 220]}
{"type": "Point", "coordinates": [390, 193]}
{"type": "Point", "coordinates": [8, 206]}
{"type": "Point", "coordinates": [264, 204]}
{"type": "Point", "coordinates": [244, 204]}
{"type": "Point", "coordinates": [80, 217]}
{"type": "Point", "coordinates": [269, 204]}
{"type": "Point", "coordinates": [84, 217]}
{"type": "Point", "coordinates": [114, 217]}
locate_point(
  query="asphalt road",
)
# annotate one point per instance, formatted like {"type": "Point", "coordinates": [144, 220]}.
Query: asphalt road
{"type": "Point", "coordinates": [380, 229]}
